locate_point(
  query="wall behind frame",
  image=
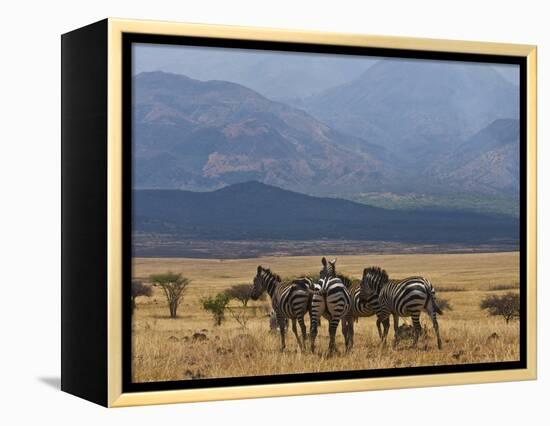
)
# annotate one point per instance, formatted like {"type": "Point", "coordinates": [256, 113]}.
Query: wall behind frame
{"type": "Point", "coordinates": [31, 171]}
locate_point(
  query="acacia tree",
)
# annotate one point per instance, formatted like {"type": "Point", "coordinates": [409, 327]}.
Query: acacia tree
{"type": "Point", "coordinates": [506, 306]}
{"type": "Point", "coordinates": [140, 289]}
{"type": "Point", "coordinates": [216, 306]}
{"type": "Point", "coordinates": [173, 286]}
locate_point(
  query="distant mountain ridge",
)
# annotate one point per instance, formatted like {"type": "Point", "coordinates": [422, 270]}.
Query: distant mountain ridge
{"type": "Point", "coordinates": [488, 162]}
{"type": "Point", "coordinates": [418, 109]}
{"type": "Point", "coordinates": [255, 211]}
{"type": "Point", "coordinates": [203, 135]}
{"type": "Point", "coordinates": [274, 74]}
{"type": "Point", "coordinates": [190, 134]}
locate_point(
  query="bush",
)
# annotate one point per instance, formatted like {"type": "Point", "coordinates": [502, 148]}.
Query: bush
{"type": "Point", "coordinates": [216, 306]}
{"type": "Point", "coordinates": [139, 289]}
{"type": "Point", "coordinates": [506, 306]}
{"type": "Point", "coordinates": [241, 292]}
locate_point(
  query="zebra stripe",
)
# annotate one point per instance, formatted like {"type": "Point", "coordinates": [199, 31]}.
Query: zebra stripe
{"type": "Point", "coordinates": [365, 307]}
{"type": "Point", "coordinates": [288, 300]}
{"type": "Point", "coordinates": [402, 298]}
{"type": "Point", "coordinates": [330, 299]}
{"type": "Point", "coordinates": [360, 307]}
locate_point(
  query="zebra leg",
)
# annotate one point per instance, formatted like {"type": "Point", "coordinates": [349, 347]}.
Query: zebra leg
{"type": "Point", "coordinates": [295, 331]}
{"type": "Point", "coordinates": [383, 326]}
{"type": "Point", "coordinates": [386, 324]}
{"type": "Point", "coordinates": [350, 334]}
{"type": "Point", "coordinates": [304, 332]}
{"type": "Point", "coordinates": [378, 327]}
{"type": "Point", "coordinates": [347, 325]}
{"type": "Point", "coordinates": [282, 328]}
{"type": "Point", "coordinates": [395, 329]}
{"type": "Point", "coordinates": [332, 327]}
{"type": "Point", "coordinates": [345, 332]}
{"type": "Point", "coordinates": [417, 327]}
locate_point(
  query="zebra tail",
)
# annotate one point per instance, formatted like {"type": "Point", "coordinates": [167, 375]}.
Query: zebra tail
{"type": "Point", "coordinates": [431, 299]}
{"type": "Point", "coordinates": [436, 308]}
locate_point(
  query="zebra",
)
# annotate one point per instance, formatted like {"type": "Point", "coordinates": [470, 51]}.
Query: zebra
{"type": "Point", "coordinates": [360, 307]}
{"type": "Point", "coordinates": [330, 299]}
{"type": "Point", "coordinates": [405, 298]}
{"type": "Point", "coordinates": [288, 300]}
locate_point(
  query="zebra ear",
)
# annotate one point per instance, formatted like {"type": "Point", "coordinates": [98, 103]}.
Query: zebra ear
{"type": "Point", "coordinates": [324, 261]}
{"type": "Point", "coordinates": [333, 262]}
{"type": "Point", "coordinates": [260, 269]}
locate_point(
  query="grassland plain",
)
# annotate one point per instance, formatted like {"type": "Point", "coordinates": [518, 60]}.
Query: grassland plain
{"type": "Point", "coordinates": [190, 347]}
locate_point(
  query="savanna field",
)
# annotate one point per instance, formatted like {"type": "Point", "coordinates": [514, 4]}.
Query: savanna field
{"type": "Point", "coordinates": [192, 347]}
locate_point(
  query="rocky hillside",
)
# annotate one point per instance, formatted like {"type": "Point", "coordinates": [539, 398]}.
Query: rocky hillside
{"type": "Point", "coordinates": [190, 134]}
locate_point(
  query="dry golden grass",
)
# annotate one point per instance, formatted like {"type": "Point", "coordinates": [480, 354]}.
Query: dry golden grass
{"type": "Point", "coordinates": [164, 348]}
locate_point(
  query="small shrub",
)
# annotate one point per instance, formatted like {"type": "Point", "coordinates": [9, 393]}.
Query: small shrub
{"type": "Point", "coordinates": [139, 289]}
{"type": "Point", "coordinates": [216, 305]}
{"type": "Point", "coordinates": [506, 306]}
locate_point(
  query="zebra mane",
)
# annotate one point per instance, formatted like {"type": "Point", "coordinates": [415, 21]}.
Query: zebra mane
{"type": "Point", "coordinates": [375, 275]}
{"type": "Point", "coordinates": [269, 273]}
{"type": "Point", "coordinates": [346, 280]}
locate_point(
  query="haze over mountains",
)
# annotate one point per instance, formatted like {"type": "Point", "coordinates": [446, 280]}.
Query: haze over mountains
{"type": "Point", "coordinates": [276, 75]}
{"type": "Point", "coordinates": [388, 126]}
{"type": "Point", "coordinates": [418, 109]}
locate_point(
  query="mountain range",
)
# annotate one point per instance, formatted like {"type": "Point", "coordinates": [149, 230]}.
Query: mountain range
{"type": "Point", "coordinates": [420, 110]}
{"type": "Point", "coordinates": [398, 127]}
{"type": "Point", "coordinates": [255, 211]}
{"type": "Point", "coordinates": [199, 135]}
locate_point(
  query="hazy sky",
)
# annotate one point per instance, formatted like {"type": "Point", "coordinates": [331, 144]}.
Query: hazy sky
{"type": "Point", "coordinates": [269, 72]}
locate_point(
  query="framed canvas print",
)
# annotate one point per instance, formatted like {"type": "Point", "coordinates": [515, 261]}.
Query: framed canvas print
{"type": "Point", "coordinates": [254, 212]}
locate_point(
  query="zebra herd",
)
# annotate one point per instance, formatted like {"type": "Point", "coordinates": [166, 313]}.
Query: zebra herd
{"type": "Point", "coordinates": [338, 299]}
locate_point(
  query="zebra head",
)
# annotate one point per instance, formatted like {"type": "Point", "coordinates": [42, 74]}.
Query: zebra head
{"type": "Point", "coordinates": [329, 269]}
{"type": "Point", "coordinates": [264, 280]}
{"type": "Point", "coordinates": [259, 285]}
{"type": "Point", "coordinates": [373, 280]}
